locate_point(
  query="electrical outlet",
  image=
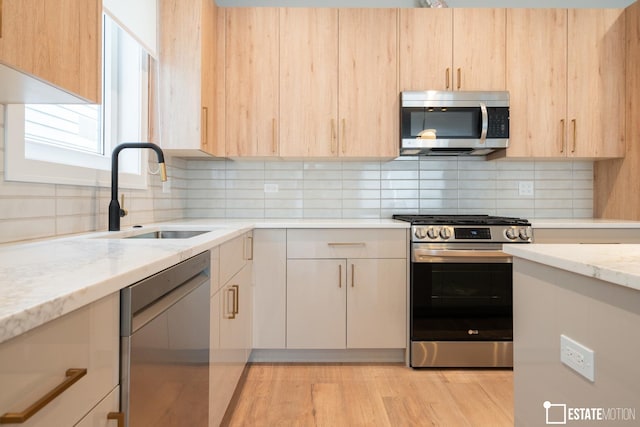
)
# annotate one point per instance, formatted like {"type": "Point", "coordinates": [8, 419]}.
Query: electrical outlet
{"type": "Point", "coordinates": [271, 188]}
{"type": "Point", "coordinates": [525, 188]}
{"type": "Point", "coordinates": [577, 357]}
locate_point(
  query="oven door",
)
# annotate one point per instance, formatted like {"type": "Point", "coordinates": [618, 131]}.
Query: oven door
{"type": "Point", "coordinates": [461, 292]}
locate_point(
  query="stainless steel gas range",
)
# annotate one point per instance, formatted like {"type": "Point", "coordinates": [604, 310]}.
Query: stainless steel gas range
{"type": "Point", "coordinates": [461, 289]}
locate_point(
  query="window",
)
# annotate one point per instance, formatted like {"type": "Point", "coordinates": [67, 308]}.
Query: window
{"type": "Point", "coordinates": [72, 144]}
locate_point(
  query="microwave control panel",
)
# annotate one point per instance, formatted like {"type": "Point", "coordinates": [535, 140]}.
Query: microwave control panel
{"type": "Point", "coordinates": [498, 122]}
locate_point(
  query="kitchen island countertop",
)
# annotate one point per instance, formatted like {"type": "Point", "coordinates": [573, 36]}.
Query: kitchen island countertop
{"type": "Point", "coordinates": [615, 263]}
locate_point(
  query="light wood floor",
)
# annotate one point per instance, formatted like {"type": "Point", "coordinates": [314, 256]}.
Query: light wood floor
{"type": "Point", "coordinates": [372, 395]}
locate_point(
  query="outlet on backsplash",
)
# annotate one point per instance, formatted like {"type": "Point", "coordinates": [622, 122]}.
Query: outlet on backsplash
{"type": "Point", "coordinates": [525, 188]}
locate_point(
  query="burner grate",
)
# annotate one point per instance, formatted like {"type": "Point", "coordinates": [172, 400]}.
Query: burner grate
{"type": "Point", "coordinates": [460, 220]}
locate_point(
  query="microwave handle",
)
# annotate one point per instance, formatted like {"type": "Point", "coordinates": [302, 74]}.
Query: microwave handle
{"type": "Point", "coordinates": [485, 122]}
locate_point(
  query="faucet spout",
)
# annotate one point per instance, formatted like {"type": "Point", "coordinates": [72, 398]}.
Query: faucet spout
{"type": "Point", "coordinates": [115, 212]}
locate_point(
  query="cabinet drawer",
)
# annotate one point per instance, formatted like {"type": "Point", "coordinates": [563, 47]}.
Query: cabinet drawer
{"type": "Point", "coordinates": [234, 254]}
{"type": "Point", "coordinates": [33, 364]}
{"type": "Point", "coordinates": [347, 243]}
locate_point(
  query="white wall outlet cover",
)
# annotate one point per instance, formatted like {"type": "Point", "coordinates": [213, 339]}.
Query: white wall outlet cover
{"type": "Point", "coordinates": [577, 357]}
{"type": "Point", "coordinates": [271, 188]}
{"type": "Point", "coordinates": [525, 188]}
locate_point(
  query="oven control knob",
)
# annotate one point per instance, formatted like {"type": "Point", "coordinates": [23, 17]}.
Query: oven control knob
{"type": "Point", "coordinates": [420, 232]}
{"type": "Point", "coordinates": [445, 233]}
{"type": "Point", "coordinates": [433, 232]}
{"type": "Point", "coordinates": [511, 233]}
{"type": "Point", "coordinates": [524, 234]}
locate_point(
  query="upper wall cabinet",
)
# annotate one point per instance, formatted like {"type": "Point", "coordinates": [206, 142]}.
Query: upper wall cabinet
{"type": "Point", "coordinates": [57, 42]}
{"type": "Point", "coordinates": [596, 83]}
{"type": "Point", "coordinates": [452, 49]}
{"type": "Point", "coordinates": [318, 82]}
{"type": "Point", "coordinates": [187, 97]}
{"type": "Point", "coordinates": [252, 87]}
{"type": "Point", "coordinates": [368, 101]}
{"type": "Point", "coordinates": [565, 74]}
{"type": "Point", "coordinates": [309, 82]}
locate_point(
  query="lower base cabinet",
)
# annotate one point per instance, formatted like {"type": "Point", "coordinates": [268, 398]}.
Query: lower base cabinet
{"type": "Point", "coordinates": [352, 303]}
{"type": "Point", "coordinates": [231, 317]}
{"type": "Point", "coordinates": [81, 347]}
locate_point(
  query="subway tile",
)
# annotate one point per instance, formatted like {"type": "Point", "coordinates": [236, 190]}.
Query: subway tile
{"type": "Point", "coordinates": [251, 204]}
{"type": "Point", "coordinates": [399, 194]}
{"type": "Point", "coordinates": [518, 175]}
{"type": "Point", "coordinates": [438, 204]}
{"type": "Point", "coordinates": [361, 166]}
{"type": "Point", "coordinates": [399, 175]}
{"type": "Point", "coordinates": [517, 166]}
{"type": "Point", "coordinates": [399, 204]}
{"type": "Point", "coordinates": [245, 184]}
{"type": "Point", "coordinates": [399, 184]}
{"type": "Point", "coordinates": [476, 194]}
{"type": "Point", "coordinates": [322, 185]}
{"type": "Point", "coordinates": [245, 174]}
{"type": "Point", "coordinates": [283, 204]}
{"type": "Point", "coordinates": [388, 213]}
{"type": "Point", "coordinates": [244, 165]}
{"type": "Point", "coordinates": [361, 204]}
{"type": "Point", "coordinates": [26, 228]}
{"type": "Point", "coordinates": [585, 175]}
{"type": "Point", "coordinates": [483, 175]}
{"type": "Point", "coordinates": [322, 204]}
{"type": "Point", "coordinates": [322, 194]}
{"type": "Point", "coordinates": [582, 213]}
{"type": "Point", "coordinates": [438, 185]}
{"type": "Point", "coordinates": [439, 194]}
{"type": "Point", "coordinates": [438, 175]}
{"type": "Point", "coordinates": [206, 213]}
{"type": "Point", "coordinates": [361, 185]}
{"type": "Point", "coordinates": [283, 213]}
{"type": "Point", "coordinates": [511, 204]}
{"type": "Point", "coordinates": [477, 204]}
{"type": "Point", "coordinates": [361, 175]}
{"type": "Point", "coordinates": [361, 213]}
{"type": "Point", "coordinates": [553, 194]}
{"type": "Point", "coordinates": [439, 163]}
{"type": "Point", "coordinates": [284, 194]}
{"type": "Point", "coordinates": [542, 204]}
{"type": "Point", "coordinates": [16, 208]}
{"type": "Point", "coordinates": [541, 213]}
{"type": "Point", "coordinates": [477, 185]}
{"type": "Point", "coordinates": [361, 194]}
{"type": "Point", "coordinates": [285, 174]}
{"type": "Point", "coordinates": [321, 213]}
{"type": "Point", "coordinates": [283, 166]}
{"type": "Point", "coordinates": [552, 166]}
{"type": "Point", "coordinates": [322, 166]}
{"type": "Point", "coordinates": [244, 213]}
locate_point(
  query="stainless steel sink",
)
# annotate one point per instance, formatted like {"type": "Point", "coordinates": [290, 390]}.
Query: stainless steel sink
{"type": "Point", "coordinates": [169, 234]}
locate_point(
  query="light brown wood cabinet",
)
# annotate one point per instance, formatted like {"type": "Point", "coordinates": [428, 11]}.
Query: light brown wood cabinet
{"type": "Point", "coordinates": [53, 41]}
{"type": "Point", "coordinates": [309, 82]}
{"type": "Point", "coordinates": [251, 81]}
{"type": "Point", "coordinates": [452, 49]}
{"type": "Point", "coordinates": [368, 101]}
{"type": "Point", "coordinates": [566, 76]}
{"type": "Point", "coordinates": [187, 78]}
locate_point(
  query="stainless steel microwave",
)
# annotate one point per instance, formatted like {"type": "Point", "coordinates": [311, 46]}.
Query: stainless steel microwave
{"type": "Point", "coordinates": [453, 123]}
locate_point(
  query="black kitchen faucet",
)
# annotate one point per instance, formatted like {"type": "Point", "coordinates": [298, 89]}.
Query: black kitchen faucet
{"type": "Point", "coordinates": [115, 211]}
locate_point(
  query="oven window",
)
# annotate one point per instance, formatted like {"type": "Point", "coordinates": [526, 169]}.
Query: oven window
{"type": "Point", "coordinates": [466, 301]}
{"type": "Point", "coordinates": [453, 122]}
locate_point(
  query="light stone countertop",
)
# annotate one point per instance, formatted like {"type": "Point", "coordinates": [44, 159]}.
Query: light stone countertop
{"type": "Point", "coordinates": [43, 280]}
{"type": "Point", "coordinates": [594, 223]}
{"type": "Point", "coordinates": [615, 263]}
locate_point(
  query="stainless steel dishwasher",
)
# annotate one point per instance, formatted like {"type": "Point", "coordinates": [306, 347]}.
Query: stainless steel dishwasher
{"type": "Point", "coordinates": [165, 347]}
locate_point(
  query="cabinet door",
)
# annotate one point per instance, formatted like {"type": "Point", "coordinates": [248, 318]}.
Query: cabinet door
{"type": "Point", "coordinates": [56, 41]}
{"type": "Point", "coordinates": [537, 82]}
{"type": "Point", "coordinates": [426, 41]}
{"type": "Point", "coordinates": [596, 83]}
{"type": "Point", "coordinates": [252, 87]}
{"type": "Point", "coordinates": [270, 290]}
{"type": "Point", "coordinates": [316, 303]}
{"type": "Point", "coordinates": [308, 82]}
{"type": "Point", "coordinates": [368, 85]}
{"type": "Point", "coordinates": [186, 89]}
{"type": "Point", "coordinates": [376, 303]}
{"type": "Point", "coordinates": [478, 49]}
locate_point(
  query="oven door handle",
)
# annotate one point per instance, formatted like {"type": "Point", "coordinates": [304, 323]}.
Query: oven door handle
{"type": "Point", "coordinates": [459, 256]}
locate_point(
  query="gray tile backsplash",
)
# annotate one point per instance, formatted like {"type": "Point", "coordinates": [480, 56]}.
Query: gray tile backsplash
{"type": "Point", "coordinates": [348, 189]}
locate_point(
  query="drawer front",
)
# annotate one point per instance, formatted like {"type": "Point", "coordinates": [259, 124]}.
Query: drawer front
{"type": "Point", "coordinates": [98, 415]}
{"type": "Point", "coordinates": [33, 364]}
{"type": "Point", "coordinates": [234, 254]}
{"type": "Point", "coordinates": [346, 243]}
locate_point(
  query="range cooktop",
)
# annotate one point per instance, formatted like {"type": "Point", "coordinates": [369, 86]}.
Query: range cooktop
{"type": "Point", "coordinates": [461, 220]}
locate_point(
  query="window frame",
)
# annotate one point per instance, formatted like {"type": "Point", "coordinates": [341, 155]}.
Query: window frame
{"type": "Point", "coordinates": [85, 169]}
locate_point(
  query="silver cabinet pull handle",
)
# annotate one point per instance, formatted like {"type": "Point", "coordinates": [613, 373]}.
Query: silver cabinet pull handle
{"type": "Point", "coordinates": [346, 244]}
{"type": "Point", "coordinates": [339, 275]}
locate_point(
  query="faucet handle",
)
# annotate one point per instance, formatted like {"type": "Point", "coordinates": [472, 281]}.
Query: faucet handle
{"type": "Point", "coordinates": [123, 211]}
